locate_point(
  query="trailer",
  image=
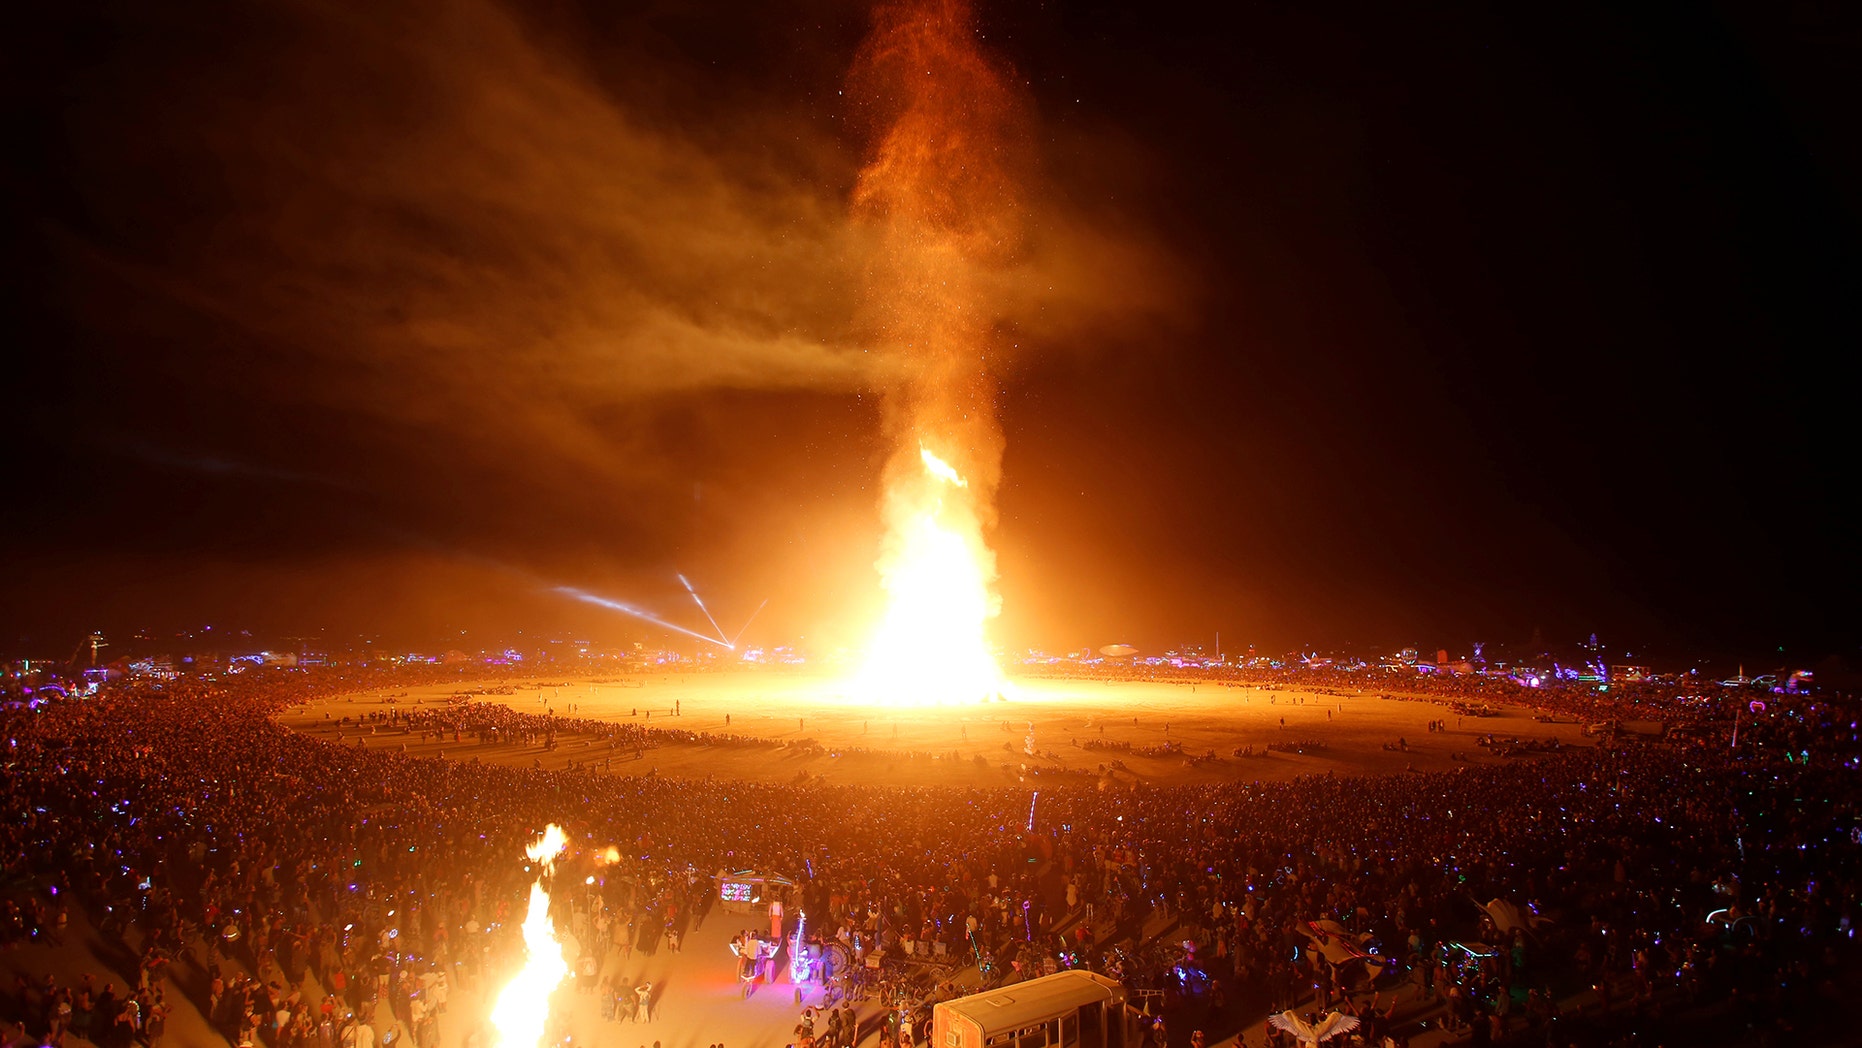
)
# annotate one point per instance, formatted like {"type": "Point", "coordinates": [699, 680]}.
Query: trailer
{"type": "Point", "coordinates": [1071, 1009]}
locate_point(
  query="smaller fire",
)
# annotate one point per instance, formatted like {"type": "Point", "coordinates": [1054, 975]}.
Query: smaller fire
{"type": "Point", "coordinates": [523, 1008]}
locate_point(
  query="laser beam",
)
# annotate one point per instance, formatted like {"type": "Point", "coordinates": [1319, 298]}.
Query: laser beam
{"type": "Point", "coordinates": [747, 622]}
{"type": "Point", "coordinates": [628, 609]}
{"type": "Point", "coordinates": [707, 611]}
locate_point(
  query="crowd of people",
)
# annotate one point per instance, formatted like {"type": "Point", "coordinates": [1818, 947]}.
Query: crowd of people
{"type": "Point", "coordinates": [464, 720]}
{"type": "Point", "coordinates": [236, 863]}
{"type": "Point", "coordinates": [1466, 692]}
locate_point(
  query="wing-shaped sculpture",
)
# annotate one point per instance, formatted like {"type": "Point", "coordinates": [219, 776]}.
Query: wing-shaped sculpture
{"type": "Point", "coordinates": [1293, 1024]}
{"type": "Point", "coordinates": [1333, 1025]}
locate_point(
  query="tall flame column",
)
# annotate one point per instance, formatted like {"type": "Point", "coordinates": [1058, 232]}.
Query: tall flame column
{"type": "Point", "coordinates": [941, 191]}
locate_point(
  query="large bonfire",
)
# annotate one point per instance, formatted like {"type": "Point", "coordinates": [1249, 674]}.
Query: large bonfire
{"type": "Point", "coordinates": [941, 193]}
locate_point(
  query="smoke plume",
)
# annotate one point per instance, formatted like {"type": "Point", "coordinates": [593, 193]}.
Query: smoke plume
{"type": "Point", "coordinates": [365, 243]}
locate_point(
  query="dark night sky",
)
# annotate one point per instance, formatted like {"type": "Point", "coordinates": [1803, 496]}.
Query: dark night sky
{"type": "Point", "coordinates": [1418, 325]}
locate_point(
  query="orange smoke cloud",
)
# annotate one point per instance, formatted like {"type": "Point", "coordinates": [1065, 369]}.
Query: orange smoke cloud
{"type": "Point", "coordinates": [468, 239]}
{"type": "Point", "coordinates": [943, 188]}
{"type": "Point", "coordinates": [478, 220]}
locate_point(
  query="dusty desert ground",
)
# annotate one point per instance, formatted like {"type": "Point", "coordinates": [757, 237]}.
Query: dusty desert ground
{"type": "Point", "coordinates": [1066, 718]}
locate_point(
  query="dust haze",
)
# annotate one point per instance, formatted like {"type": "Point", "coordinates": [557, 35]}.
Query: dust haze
{"type": "Point", "coordinates": [481, 231]}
